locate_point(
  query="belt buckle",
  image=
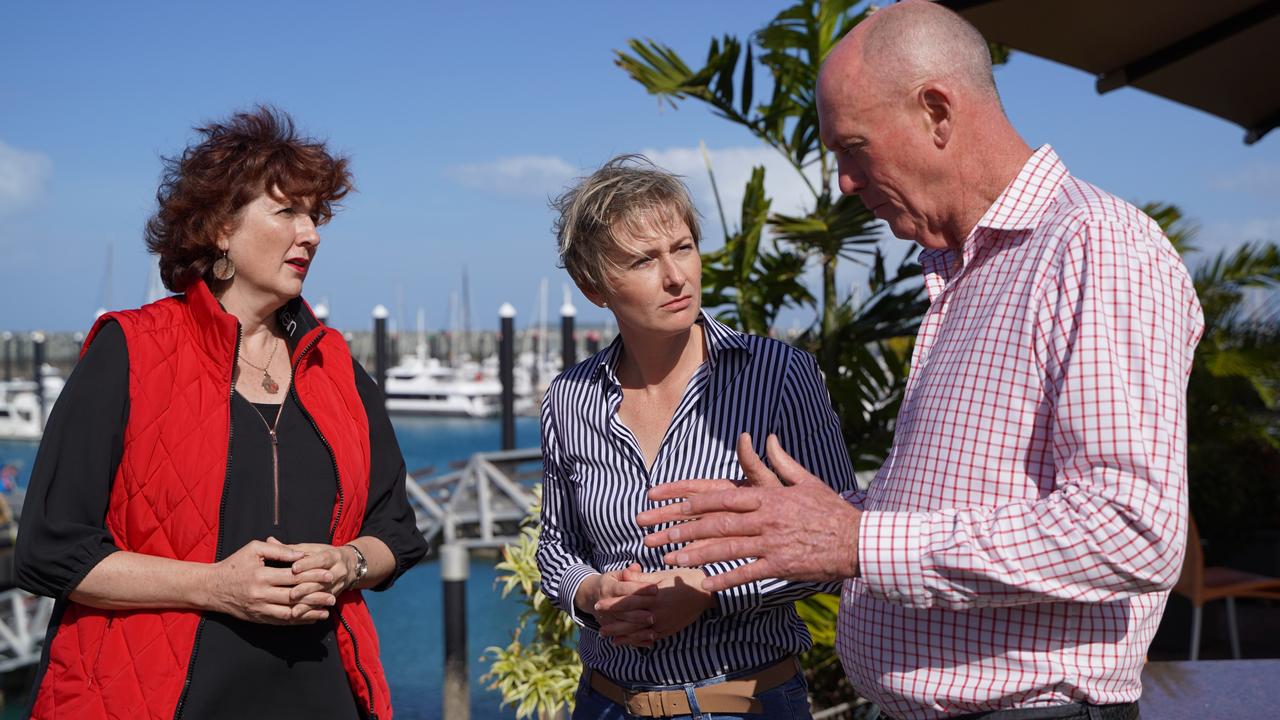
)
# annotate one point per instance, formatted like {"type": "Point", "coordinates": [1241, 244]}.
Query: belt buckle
{"type": "Point", "coordinates": [637, 702]}
{"type": "Point", "coordinates": [640, 702]}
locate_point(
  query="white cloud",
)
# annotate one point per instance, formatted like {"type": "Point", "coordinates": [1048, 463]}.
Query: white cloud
{"type": "Point", "coordinates": [783, 185]}
{"type": "Point", "coordinates": [23, 176]}
{"type": "Point", "coordinates": [547, 175]}
{"type": "Point", "coordinates": [536, 175]}
{"type": "Point", "coordinates": [789, 194]}
{"type": "Point", "coordinates": [1259, 179]}
{"type": "Point", "coordinates": [732, 167]}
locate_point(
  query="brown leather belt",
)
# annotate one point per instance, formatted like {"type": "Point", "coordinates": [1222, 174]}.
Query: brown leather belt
{"type": "Point", "coordinates": [731, 696]}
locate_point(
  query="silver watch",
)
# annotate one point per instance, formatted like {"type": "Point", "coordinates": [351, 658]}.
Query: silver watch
{"type": "Point", "coordinates": [362, 565]}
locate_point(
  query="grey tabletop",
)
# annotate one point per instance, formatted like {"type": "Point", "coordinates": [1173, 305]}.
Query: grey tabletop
{"type": "Point", "coordinates": [1211, 689]}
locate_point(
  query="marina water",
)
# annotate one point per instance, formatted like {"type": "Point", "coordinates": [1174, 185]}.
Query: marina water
{"type": "Point", "coordinates": [410, 615]}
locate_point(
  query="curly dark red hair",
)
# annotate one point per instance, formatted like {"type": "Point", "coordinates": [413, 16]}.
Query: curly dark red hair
{"type": "Point", "coordinates": [203, 190]}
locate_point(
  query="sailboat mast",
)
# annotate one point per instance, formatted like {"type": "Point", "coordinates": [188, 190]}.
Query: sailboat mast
{"type": "Point", "coordinates": [453, 329]}
{"type": "Point", "coordinates": [422, 335]}
{"type": "Point", "coordinates": [466, 314]}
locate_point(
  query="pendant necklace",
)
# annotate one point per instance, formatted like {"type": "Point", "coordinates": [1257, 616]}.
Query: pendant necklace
{"type": "Point", "coordinates": [268, 383]}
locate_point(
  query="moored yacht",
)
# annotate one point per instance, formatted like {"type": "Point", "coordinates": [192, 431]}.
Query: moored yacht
{"type": "Point", "coordinates": [21, 416]}
{"type": "Point", "coordinates": [422, 385]}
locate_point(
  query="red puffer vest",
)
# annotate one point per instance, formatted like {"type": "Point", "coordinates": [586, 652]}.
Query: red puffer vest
{"type": "Point", "coordinates": [166, 500]}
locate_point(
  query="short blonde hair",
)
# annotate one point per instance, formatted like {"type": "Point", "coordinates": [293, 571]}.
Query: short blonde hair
{"type": "Point", "coordinates": [625, 198]}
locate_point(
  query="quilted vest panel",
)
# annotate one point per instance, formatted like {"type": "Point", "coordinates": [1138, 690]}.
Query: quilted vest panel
{"type": "Point", "coordinates": [165, 501]}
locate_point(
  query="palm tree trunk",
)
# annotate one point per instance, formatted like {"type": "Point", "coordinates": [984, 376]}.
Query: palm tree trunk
{"type": "Point", "coordinates": [830, 325]}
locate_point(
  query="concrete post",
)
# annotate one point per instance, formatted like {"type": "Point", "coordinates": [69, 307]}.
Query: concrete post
{"type": "Point", "coordinates": [506, 374]}
{"type": "Point", "coordinates": [37, 362]}
{"type": "Point", "coordinates": [8, 355]}
{"type": "Point", "coordinates": [380, 347]}
{"type": "Point", "coordinates": [568, 343]}
{"type": "Point", "coordinates": [454, 567]}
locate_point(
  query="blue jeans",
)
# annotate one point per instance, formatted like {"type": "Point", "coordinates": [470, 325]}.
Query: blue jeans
{"type": "Point", "coordinates": [788, 701]}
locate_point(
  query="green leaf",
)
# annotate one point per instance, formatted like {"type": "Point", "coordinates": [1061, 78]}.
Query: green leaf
{"type": "Point", "coordinates": [539, 675]}
{"type": "Point", "coordinates": [819, 613]}
{"type": "Point", "coordinates": [845, 227]}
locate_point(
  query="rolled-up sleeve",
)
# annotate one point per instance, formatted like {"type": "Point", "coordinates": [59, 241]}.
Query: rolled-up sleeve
{"type": "Point", "coordinates": [62, 534]}
{"type": "Point", "coordinates": [388, 516]}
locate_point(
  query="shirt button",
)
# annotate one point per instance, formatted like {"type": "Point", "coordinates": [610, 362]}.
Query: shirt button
{"type": "Point", "coordinates": [894, 595]}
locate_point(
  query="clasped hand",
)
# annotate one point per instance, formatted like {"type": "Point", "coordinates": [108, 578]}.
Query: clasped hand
{"type": "Point", "coordinates": [637, 608]}
{"type": "Point", "coordinates": [246, 587]}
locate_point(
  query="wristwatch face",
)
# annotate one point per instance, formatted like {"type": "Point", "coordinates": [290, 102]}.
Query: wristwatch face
{"type": "Point", "coordinates": [362, 566]}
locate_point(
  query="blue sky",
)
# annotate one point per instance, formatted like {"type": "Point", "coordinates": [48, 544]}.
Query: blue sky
{"type": "Point", "coordinates": [461, 119]}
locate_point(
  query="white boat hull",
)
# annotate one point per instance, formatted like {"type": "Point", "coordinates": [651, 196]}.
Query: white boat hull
{"type": "Point", "coordinates": [21, 417]}
{"type": "Point", "coordinates": [448, 406]}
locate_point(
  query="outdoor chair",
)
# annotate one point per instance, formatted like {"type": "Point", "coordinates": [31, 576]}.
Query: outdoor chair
{"type": "Point", "coordinates": [1202, 584]}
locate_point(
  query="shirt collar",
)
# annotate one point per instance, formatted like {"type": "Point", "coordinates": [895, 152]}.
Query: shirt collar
{"type": "Point", "coordinates": [1027, 198]}
{"type": "Point", "coordinates": [720, 338]}
{"type": "Point", "coordinates": [1018, 207]}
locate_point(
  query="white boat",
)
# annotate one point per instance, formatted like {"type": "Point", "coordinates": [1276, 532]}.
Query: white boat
{"type": "Point", "coordinates": [427, 386]}
{"type": "Point", "coordinates": [21, 417]}
{"type": "Point", "coordinates": [422, 385]}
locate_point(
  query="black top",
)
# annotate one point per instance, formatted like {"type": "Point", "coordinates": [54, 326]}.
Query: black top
{"type": "Point", "coordinates": [240, 669]}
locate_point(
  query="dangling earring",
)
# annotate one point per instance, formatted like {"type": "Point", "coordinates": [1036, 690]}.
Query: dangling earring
{"type": "Point", "coordinates": [223, 268]}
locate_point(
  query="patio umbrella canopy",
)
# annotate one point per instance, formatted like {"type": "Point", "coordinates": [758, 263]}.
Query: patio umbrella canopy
{"type": "Point", "coordinates": [1221, 56]}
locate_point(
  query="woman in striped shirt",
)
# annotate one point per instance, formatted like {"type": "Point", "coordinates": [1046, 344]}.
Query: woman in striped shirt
{"type": "Point", "coordinates": [667, 401]}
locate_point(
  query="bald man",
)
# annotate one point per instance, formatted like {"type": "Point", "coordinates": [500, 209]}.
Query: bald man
{"type": "Point", "coordinates": [1013, 556]}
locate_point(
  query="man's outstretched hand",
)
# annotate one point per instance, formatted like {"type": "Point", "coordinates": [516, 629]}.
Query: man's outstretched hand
{"type": "Point", "coordinates": [793, 524]}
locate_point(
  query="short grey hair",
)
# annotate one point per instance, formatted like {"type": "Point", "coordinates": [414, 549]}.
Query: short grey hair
{"type": "Point", "coordinates": [923, 39]}
{"type": "Point", "coordinates": [627, 197]}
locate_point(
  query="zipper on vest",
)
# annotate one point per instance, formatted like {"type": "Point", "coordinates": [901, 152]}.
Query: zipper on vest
{"type": "Point", "coordinates": [222, 508]}
{"type": "Point", "coordinates": [355, 646]}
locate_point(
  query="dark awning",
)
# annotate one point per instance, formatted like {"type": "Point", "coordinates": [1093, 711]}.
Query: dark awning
{"type": "Point", "coordinates": [1221, 56]}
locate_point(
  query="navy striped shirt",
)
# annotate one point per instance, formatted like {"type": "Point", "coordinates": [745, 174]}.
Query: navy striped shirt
{"type": "Point", "coordinates": [595, 483]}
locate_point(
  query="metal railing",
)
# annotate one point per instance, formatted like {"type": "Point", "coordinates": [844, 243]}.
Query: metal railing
{"type": "Point", "coordinates": [480, 505]}
{"type": "Point", "coordinates": [24, 618]}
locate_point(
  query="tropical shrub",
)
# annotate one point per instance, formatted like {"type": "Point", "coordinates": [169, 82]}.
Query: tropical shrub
{"type": "Point", "coordinates": [539, 669]}
{"type": "Point", "coordinates": [1233, 394]}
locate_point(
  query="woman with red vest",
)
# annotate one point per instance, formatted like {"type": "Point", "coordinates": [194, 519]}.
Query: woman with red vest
{"type": "Point", "coordinates": [219, 479]}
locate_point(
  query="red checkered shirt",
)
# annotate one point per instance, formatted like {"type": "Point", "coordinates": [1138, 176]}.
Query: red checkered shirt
{"type": "Point", "coordinates": [1020, 540]}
